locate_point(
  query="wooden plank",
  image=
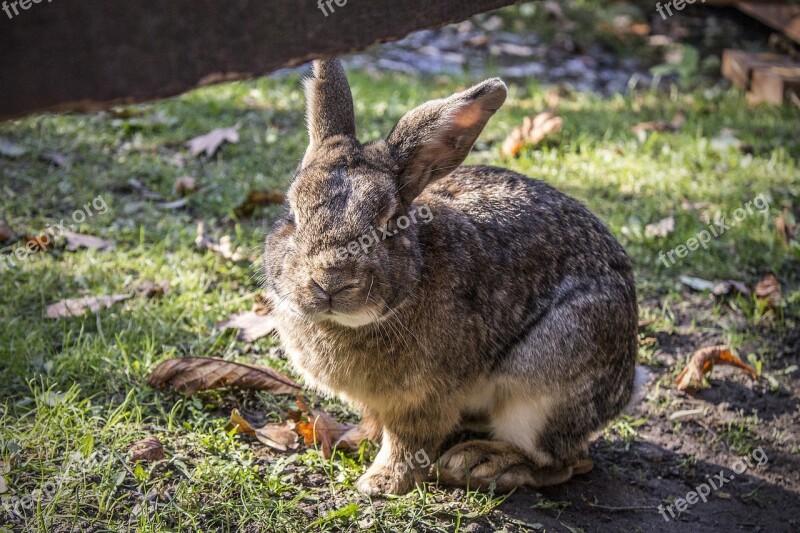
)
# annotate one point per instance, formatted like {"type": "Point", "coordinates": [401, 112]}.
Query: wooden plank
{"type": "Point", "coordinates": [770, 84]}
{"type": "Point", "coordinates": [784, 18]}
{"type": "Point", "coordinates": [738, 65]}
{"type": "Point", "coordinates": [89, 54]}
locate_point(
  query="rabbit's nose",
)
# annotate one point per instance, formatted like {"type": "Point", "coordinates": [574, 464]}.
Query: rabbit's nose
{"type": "Point", "coordinates": [327, 288]}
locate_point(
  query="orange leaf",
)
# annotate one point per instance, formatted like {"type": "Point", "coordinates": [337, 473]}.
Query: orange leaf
{"type": "Point", "coordinates": [703, 361]}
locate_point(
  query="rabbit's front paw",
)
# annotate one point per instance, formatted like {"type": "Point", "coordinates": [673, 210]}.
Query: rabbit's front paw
{"type": "Point", "coordinates": [385, 479]}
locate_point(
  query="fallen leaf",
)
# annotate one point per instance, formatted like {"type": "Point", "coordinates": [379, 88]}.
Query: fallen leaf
{"type": "Point", "coordinates": [662, 228]}
{"type": "Point", "coordinates": [6, 233]}
{"type": "Point", "coordinates": [278, 436]}
{"type": "Point", "coordinates": [698, 284]}
{"type": "Point", "coordinates": [785, 223]}
{"type": "Point", "coordinates": [659, 125]}
{"type": "Point", "coordinates": [240, 424]}
{"type": "Point", "coordinates": [323, 429]}
{"type": "Point", "coordinates": [768, 290]}
{"type": "Point", "coordinates": [185, 185]}
{"type": "Point", "coordinates": [224, 249]}
{"type": "Point", "coordinates": [717, 288]}
{"type": "Point", "coordinates": [210, 142]}
{"type": "Point", "coordinates": [177, 204]}
{"type": "Point", "coordinates": [702, 362]}
{"type": "Point", "coordinates": [532, 131]}
{"type": "Point", "coordinates": [191, 374]}
{"type": "Point", "coordinates": [79, 306]}
{"type": "Point", "coordinates": [258, 199]}
{"type": "Point", "coordinates": [79, 240]}
{"type": "Point", "coordinates": [251, 325]}
{"type": "Point", "coordinates": [9, 149]}
{"type": "Point", "coordinates": [149, 449]}
{"type": "Point", "coordinates": [150, 289]}
{"type": "Point", "coordinates": [42, 243]}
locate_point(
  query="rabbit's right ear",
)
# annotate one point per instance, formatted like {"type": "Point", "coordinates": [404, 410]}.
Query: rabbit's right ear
{"type": "Point", "coordinates": [329, 104]}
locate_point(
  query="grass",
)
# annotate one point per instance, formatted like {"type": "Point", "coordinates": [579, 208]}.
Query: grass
{"type": "Point", "coordinates": [73, 391]}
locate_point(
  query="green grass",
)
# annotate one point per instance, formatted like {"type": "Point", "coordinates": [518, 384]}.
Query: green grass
{"type": "Point", "coordinates": [77, 386]}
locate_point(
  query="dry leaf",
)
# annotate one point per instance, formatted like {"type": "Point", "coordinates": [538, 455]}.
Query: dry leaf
{"type": "Point", "coordinates": [185, 185]}
{"type": "Point", "coordinates": [768, 290]}
{"type": "Point", "coordinates": [149, 449]}
{"type": "Point", "coordinates": [785, 224]}
{"type": "Point", "coordinates": [191, 374]}
{"type": "Point", "coordinates": [6, 233]}
{"type": "Point", "coordinates": [532, 131]}
{"type": "Point", "coordinates": [240, 424]}
{"type": "Point", "coordinates": [79, 240]}
{"type": "Point", "coordinates": [258, 199]}
{"type": "Point", "coordinates": [662, 228]}
{"type": "Point", "coordinates": [251, 325]}
{"type": "Point", "coordinates": [702, 362]}
{"type": "Point", "coordinates": [323, 429]}
{"type": "Point", "coordinates": [79, 306]}
{"type": "Point", "coordinates": [177, 204]}
{"type": "Point", "coordinates": [224, 249]}
{"type": "Point", "coordinates": [278, 436]}
{"type": "Point", "coordinates": [210, 142]}
{"type": "Point", "coordinates": [42, 243]}
{"type": "Point", "coordinates": [659, 125]}
{"type": "Point", "coordinates": [150, 290]}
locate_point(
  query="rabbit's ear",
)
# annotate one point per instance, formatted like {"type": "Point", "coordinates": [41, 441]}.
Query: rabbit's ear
{"type": "Point", "coordinates": [329, 104]}
{"type": "Point", "coordinates": [430, 141]}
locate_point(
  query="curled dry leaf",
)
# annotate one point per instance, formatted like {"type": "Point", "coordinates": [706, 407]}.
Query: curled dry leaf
{"type": "Point", "coordinates": [150, 289]}
{"type": "Point", "coordinates": [702, 362]}
{"type": "Point", "coordinates": [768, 291]}
{"type": "Point", "coordinates": [532, 131]}
{"type": "Point", "coordinates": [662, 228]}
{"type": "Point", "coordinates": [210, 142]}
{"type": "Point", "coordinates": [659, 125]}
{"type": "Point", "coordinates": [149, 449]}
{"type": "Point", "coordinates": [6, 233]}
{"type": "Point", "coordinates": [785, 223]}
{"type": "Point", "coordinates": [224, 249]}
{"type": "Point", "coordinates": [79, 306]}
{"type": "Point", "coordinates": [253, 324]}
{"type": "Point", "coordinates": [79, 240]}
{"type": "Point", "coordinates": [42, 243]}
{"type": "Point", "coordinates": [257, 199]}
{"type": "Point", "coordinates": [318, 427]}
{"type": "Point", "coordinates": [278, 436]}
{"type": "Point", "coordinates": [191, 374]}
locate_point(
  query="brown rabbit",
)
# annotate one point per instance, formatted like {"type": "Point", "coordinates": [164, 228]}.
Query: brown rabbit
{"type": "Point", "coordinates": [433, 295]}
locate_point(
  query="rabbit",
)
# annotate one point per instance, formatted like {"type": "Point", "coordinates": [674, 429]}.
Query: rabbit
{"type": "Point", "coordinates": [483, 298]}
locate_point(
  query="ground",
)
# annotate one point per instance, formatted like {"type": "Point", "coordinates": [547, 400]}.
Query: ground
{"type": "Point", "coordinates": [74, 396]}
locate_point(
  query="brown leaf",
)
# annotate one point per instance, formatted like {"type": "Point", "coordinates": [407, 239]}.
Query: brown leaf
{"type": "Point", "coordinates": [532, 131]}
{"type": "Point", "coordinates": [322, 429]}
{"type": "Point", "coordinates": [150, 289]}
{"type": "Point", "coordinates": [149, 449]}
{"type": "Point", "coordinates": [185, 185]}
{"type": "Point", "coordinates": [42, 243]}
{"type": "Point", "coordinates": [191, 374]}
{"type": "Point", "coordinates": [251, 325]}
{"type": "Point", "coordinates": [702, 362]}
{"type": "Point", "coordinates": [240, 424]}
{"type": "Point", "coordinates": [659, 125]}
{"type": "Point", "coordinates": [279, 436]}
{"type": "Point", "coordinates": [768, 291]}
{"type": "Point", "coordinates": [79, 240]}
{"type": "Point", "coordinates": [257, 199]}
{"type": "Point", "coordinates": [210, 142]}
{"type": "Point", "coordinates": [6, 233]}
{"type": "Point", "coordinates": [224, 249]}
{"type": "Point", "coordinates": [79, 306]}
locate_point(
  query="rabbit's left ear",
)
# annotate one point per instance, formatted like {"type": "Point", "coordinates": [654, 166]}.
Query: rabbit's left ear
{"type": "Point", "coordinates": [329, 104]}
{"type": "Point", "coordinates": [430, 141]}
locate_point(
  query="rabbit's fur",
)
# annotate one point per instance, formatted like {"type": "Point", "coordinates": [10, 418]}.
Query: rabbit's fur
{"type": "Point", "coordinates": [511, 305]}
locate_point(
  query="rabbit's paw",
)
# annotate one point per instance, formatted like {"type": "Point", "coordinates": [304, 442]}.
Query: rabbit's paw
{"type": "Point", "coordinates": [385, 479]}
{"type": "Point", "coordinates": [481, 464]}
